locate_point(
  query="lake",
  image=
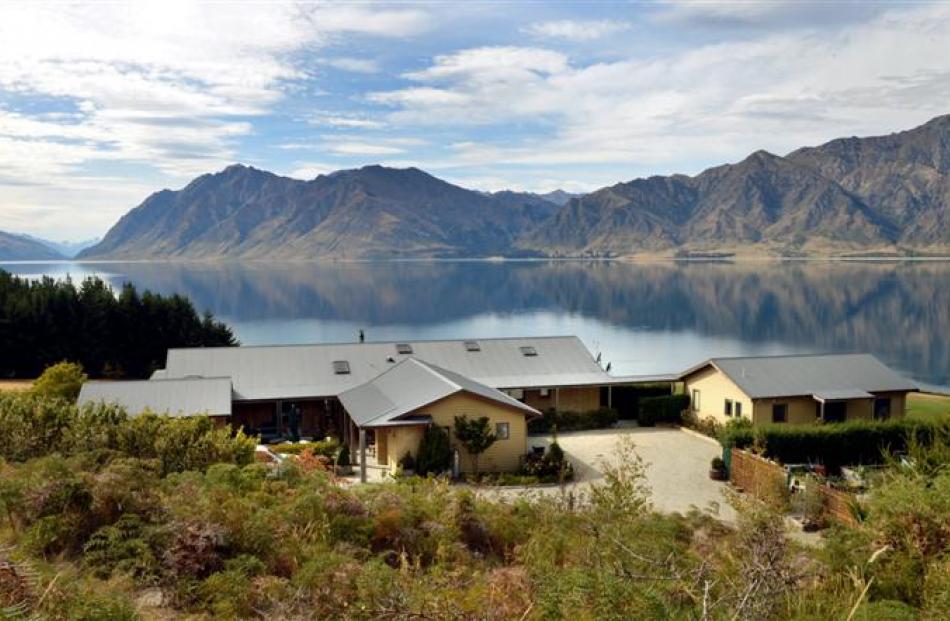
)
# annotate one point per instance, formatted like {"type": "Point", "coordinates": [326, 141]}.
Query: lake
{"type": "Point", "coordinates": [642, 317]}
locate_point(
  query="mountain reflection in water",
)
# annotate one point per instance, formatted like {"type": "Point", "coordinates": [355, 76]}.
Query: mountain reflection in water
{"type": "Point", "coordinates": [643, 317]}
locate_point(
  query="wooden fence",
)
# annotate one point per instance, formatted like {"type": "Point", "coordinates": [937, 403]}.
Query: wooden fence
{"type": "Point", "coordinates": [839, 505]}
{"type": "Point", "coordinates": [760, 477]}
{"type": "Point", "coordinates": [767, 480]}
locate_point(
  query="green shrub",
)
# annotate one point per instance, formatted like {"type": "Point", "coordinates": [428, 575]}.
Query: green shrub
{"type": "Point", "coordinates": [435, 454]}
{"type": "Point", "coordinates": [325, 448]}
{"type": "Point", "coordinates": [62, 380]}
{"type": "Point", "coordinates": [601, 418]}
{"type": "Point", "coordinates": [835, 445]}
{"type": "Point", "coordinates": [665, 409]}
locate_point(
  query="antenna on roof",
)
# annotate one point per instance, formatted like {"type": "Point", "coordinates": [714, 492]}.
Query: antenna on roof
{"type": "Point", "coordinates": [608, 368]}
{"type": "Point", "coordinates": [362, 336]}
{"type": "Point", "coordinates": [598, 357]}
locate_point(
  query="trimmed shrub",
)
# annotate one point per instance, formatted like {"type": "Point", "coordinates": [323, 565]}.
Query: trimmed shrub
{"type": "Point", "coordinates": [324, 448]}
{"type": "Point", "coordinates": [834, 445]}
{"type": "Point", "coordinates": [435, 453]}
{"type": "Point", "coordinates": [601, 418]}
{"type": "Point", "coordinates": [665, 409]}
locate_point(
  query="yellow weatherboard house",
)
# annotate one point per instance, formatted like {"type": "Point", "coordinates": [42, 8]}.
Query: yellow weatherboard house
{"type": "Point", "coordinates": [399, 404]}
{"type": "Point", "coordinates": [796, 389]}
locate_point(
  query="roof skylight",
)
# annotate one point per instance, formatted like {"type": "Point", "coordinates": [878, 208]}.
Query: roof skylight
{"type": "Point", "coordinates": [341, 367]}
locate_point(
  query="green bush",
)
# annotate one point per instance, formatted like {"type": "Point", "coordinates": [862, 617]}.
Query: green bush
{"type": "Point", "coordinates": [665, 409]}
{"type": "Point", "coordinates": [435, 454]}
{"type": "Point", "coordinates": [63, 380]}
{"type": "Point", "coordinates": [835, 445]}
{"type": "Point", "coordinates": [601, 418]}
{"type": "Point", "coordinates": [326, 448]}
{"type": "Point", "coordinates": [35, 426]}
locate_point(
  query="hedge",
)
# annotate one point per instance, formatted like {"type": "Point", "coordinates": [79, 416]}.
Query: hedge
{"type": "Point", "coordinates": [573, 421]}
{"type": "Point", "coordinates": [665, 409]}
{"type": "Point", "coordinates": [835, 444]}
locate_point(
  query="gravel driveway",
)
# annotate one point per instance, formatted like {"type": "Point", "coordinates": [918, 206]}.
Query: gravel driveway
{"type": "Point", "coordinates": [677, 465]}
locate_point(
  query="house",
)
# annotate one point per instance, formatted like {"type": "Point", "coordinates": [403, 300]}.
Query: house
{"type": "Point", "coordinates": [278, 390]}
{"type": "Point", "coordinates": [400, 403]}
{"type": "Point", "coordinates": [796, 389]}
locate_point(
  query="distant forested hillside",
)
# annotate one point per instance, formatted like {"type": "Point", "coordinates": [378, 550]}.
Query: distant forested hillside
{"type": "Point", "coordinates": [125, 335]}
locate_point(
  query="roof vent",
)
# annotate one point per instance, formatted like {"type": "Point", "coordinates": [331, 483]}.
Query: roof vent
{"type": "Point", "coordinates": [390, 359]}
{"type": "Point", "coordinates": [403, 348]}
{"type": "Point", "coordinates": [472, 346]}
{"type": "Point", "coordinates": [528, 351]}
{"type": "Point", "coordinates": [341, 367]}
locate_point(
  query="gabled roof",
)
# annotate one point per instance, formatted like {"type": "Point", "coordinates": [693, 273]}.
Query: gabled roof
{"type": "Point", "coordinates": [179, 397]}
{"type": "Point", "coordinates": [410, 385]}
{"type": "Point", "coordinates": [296, 371]}
{"type": "Point", "coordinates": [808, 374]}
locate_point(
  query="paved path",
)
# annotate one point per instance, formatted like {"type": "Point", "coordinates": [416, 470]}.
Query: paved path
{"type": "Point", "coordinates": [677, 465]}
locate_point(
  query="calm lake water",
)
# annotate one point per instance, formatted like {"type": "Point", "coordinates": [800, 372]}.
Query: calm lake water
{"type": "Point", "coordinates": [643, 318]}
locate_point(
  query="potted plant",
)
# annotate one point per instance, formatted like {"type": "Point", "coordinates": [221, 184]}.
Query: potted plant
{"type": "Point", "coordinates": [407, 465]}
{"type": "Point", "coordinates": [717, 469]}
{"type": "Point", "coordinates": [343, 465]}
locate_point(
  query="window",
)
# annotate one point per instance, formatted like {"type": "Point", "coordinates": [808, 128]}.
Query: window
{"type": "Point", "coordinates": [779, 412]}
{"type": "Point", "coordinates": [341, 367]}
{"type": "Point", "coordinates": [882, 408]}
{"type": "Point", "coordinates": [528, 351]}
{"type": "Point", "coordinates": [403, 348]}
{"type": "Point", "coordinates": [738, 410]}
{"type": "Point", "coordinates": [695, 401]}
{"type": "Point", "coordinates": [472, 346]}
{"type": "Point", "coordinates": [727, 410]}
{"type": "Point", "coordinates": [502, 431]}
{"type": "Point", "coordinates": [836, 411]}
{"type": "Point", "coordinates": [544, 392]}
{"type": "Point", "coordinates": [516, 393]}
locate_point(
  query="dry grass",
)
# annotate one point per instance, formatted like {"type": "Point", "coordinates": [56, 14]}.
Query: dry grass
{"type": "Point", "coordinates": [15, 385]}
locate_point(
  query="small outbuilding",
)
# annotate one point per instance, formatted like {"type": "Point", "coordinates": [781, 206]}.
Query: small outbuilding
{"type": "Point", "coordinates": [796, 389]}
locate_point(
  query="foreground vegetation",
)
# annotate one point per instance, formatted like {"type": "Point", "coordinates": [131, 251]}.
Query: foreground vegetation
{"type": "Point", "coordinates": [110, 517]}
{"type": "Point", "coordinates": [126, 335]}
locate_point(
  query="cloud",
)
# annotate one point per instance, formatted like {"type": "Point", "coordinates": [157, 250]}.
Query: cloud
{"type": "Point", "coordinates": [345, 121]}
{"type": "Point", "coordinates": [700, 106]}
{"type": "Point", "coordinates": [363, 148]}
{"type": "Point", "coordinates": [173, 86]}
{"type": "Point", "coordinates": [355, 65]}
{"type": "Point", "coordinates": [576, 30]}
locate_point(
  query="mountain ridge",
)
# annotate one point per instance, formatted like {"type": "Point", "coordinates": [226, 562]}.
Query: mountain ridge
{"type": "Point", "coordinates": [884, 194]}
{"type": "Point", "coordinates": [17, 247]}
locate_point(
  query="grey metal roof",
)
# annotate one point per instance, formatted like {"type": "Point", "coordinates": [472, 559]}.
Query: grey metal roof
{"type": "Point", "coordinates": [841, 394]}
{"type": "Point", "coordinates": [412, 384]}
{"type": "Point", "coordinates": [808, 374]}
{"type": "Point", "coordinates": [296, 371]}
{"type": "Point", "coordinates": [177, 397]}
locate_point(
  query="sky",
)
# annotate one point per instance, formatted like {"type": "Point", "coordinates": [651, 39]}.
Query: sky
{"type": "Point", "coordinates": [103, 103]}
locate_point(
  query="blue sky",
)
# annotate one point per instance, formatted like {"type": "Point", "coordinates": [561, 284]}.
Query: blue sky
{"type": "Point", "coordinates": [103, 103]}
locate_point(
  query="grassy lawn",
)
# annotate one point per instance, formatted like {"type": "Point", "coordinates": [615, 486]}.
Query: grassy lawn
{"type": "Point", "coordinates": [15, 385]}
{"type": "Point", "coordinates": [927, 406]}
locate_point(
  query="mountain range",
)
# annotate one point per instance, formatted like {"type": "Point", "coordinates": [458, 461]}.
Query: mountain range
{"type": "Point", "coordinates": [887, 194]}
{"type": "Point", "coordinates": [15, 247]}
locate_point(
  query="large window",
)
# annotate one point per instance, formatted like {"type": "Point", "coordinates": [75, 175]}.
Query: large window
{"type": "Point", "coordinates": [727, 409]}
{"type": "Point", "coordinates": [738, 409]}
{"type": "Point", "coordinates": [779, 412]}
{"type": "Point", "coordinates": [882, 408]}
{"type": "Point", "coordinates": [502, 431]}
{"type": "Point", "coordinates": [695, 401]}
